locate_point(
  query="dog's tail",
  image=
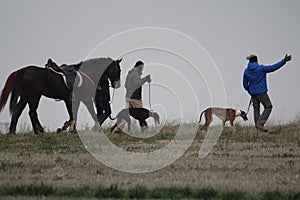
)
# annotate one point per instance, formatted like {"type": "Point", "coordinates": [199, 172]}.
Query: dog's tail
{"type": "Point", "coordinates": [200, 117]}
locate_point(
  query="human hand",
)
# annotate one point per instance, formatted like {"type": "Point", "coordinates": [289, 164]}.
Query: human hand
{"type": "Point", "coordinates": [148, 78]}
{"type": "Point", "coordinates": [287, 58]}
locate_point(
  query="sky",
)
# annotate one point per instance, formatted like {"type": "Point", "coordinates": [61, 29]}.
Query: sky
{"type": "Point", "coordinates": [197, 55]}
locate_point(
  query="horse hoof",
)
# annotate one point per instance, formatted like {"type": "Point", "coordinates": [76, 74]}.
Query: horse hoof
{"type": "Point", "coordinates": [58, 130]}
{"type": "Point", "coordinates": [11, 133]}
{"type": "Point", "coordinates": [41, 130]}
{"type": "Point", "coordinates": [73, 132]}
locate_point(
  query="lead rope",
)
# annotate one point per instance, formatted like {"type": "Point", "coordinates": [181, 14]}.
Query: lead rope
{"type": "Point", "coordinates": [150, 97]}
{"type": "Point", "coordinates": [250, 102]}
{"type": "Point", "coordinates": [111, 101]}
{"type": "Point", "coordinates": [112, 96]}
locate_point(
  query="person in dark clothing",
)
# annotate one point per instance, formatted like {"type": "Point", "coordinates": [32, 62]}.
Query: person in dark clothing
{"type": "Point", "coordinates": [133, 85]}
{"type": "Point", "coordinates": [102, 98]}
{"type": "Point", "coordinates": [255, 83]}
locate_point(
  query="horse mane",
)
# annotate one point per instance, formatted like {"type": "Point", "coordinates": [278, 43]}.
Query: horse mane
{"type": "Point", "coordinates": [102, 61]}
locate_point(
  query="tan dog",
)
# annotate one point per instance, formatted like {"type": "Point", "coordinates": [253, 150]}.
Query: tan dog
{"type": "Point", "coordinates": [225, 114]}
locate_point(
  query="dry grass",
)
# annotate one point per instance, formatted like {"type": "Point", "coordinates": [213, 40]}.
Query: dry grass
{"type": "Point", "coordinates": [244, 161]}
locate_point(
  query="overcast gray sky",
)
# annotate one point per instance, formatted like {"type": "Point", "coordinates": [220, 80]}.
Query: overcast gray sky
{"type": "Point", "coordinates": [67, 31]}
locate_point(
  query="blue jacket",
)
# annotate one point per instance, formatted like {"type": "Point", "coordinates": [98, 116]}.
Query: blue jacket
{"type": "Point", "coordinates": [254, 80]}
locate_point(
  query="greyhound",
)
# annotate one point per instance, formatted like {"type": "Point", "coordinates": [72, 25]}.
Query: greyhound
{"type": "Point", "coordinates": [141, 114]}
{"type": "Point", "coordinates": [225, 114]}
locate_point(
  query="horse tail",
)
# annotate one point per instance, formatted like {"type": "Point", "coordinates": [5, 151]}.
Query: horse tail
{"type": "Point", "coordinates": [200, 117]}
{"type": "Point", "coordinates": [7, 89]}
{"type": "Point", "coordinates": [16, 90]}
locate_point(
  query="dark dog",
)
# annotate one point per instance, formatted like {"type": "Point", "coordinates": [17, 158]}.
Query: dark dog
{"type": "Point", "coordinates": [140, 114]}
{"type": "Point", "coordinates": [225, 114]}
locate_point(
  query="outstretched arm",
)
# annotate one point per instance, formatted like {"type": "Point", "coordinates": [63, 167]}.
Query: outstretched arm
{"type": "Point", "coordinates": [272, 68]}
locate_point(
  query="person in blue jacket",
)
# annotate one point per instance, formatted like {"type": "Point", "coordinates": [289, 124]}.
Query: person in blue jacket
{"type": "Point", "coordinates": [255, 83]}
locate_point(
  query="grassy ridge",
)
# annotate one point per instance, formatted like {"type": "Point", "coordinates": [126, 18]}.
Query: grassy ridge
{"type": "Point", "coordinates": [68, 143]}
{"type": "Point", "coordinates": [44, 143]}
{"type": "Point", "coordinates": [141, 192]}
{"type": "Point", "coordinates": [267, 163]}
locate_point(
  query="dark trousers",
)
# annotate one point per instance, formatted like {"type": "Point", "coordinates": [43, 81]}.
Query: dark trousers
{"type": "Point", "coordinates": [261, 119]}
{"type": "Point", "coordinates": [103, 110]}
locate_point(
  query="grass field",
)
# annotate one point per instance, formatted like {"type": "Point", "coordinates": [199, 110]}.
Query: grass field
{"type": "Point", "coordinates": [244, 165]}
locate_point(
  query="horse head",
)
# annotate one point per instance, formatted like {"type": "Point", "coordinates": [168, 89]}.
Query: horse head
{"type": "Point", "coordinates": [114, 72]}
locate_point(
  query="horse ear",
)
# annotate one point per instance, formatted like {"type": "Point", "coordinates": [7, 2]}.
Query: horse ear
{"type": "Point", "coordinates": [120, 60]}
{"type": "Point", "coordinates": [77, 66]}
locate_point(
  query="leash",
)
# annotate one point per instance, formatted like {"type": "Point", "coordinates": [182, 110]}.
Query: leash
{"type": "Point", "coordinates": [110, 103]}
{"type": "Point", "coordinates": [150, 96]}
{"type": "Point", "coordinates": [112, 96]}
{"type": "Point", "coordinates": [250, 102]}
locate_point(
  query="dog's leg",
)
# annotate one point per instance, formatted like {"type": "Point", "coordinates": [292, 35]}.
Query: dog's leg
{"type": "Point", "coordinates": [208, 119]}
{"type": "Point", "coordinates": [128, 121]}
{"type": "Point", "coordinates": [113, 128]}
{"type": "Point", "coordinates": [232, 125]}
{"type": "Point", "coordinates": [224, 122]}
{"type": "Point", "coordinates": [143, 125]}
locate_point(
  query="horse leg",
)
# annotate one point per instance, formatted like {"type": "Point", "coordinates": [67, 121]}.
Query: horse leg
{"type": "Point", "coordinates": [16, 114]}
{"type": "Point", "coordinates": [90, 106]}
{"type": "Point", "coordinates": [75, 107]}
{"type": "Point", "coordinates": [72, 127]}
{"type": "Point", "coordinates": [36, 125]}
{"type": "Point", "coordinates": [64, 127]}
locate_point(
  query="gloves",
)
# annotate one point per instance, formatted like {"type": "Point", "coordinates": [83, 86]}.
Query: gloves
{"type": "Point", "coordinates": [287, 58]}
{"type": "Point", "coordinates": [148, 78]}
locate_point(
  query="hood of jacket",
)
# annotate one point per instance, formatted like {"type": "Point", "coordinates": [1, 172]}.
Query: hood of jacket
{"type": "Point", "coordinates": [255, 79]}
{"type": "Point", "coordinates": [252, 66]}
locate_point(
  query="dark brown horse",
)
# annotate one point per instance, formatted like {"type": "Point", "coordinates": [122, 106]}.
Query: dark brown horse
{"type": "Point", "coordinates": [28, 84]}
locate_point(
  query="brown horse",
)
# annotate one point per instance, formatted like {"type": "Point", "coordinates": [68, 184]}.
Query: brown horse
{"type": "Point", "coordinates": [28, 84]}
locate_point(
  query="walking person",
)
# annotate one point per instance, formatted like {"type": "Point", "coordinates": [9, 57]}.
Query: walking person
{"type": "Point", "coordinates": [255, 83]}
{"type": "Point", "coordinates": [133, 85]}
{"type": "Point", "coordinates": [102, 98]}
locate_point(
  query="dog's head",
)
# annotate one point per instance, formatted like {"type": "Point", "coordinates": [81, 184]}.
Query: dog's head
{"type": "Point", "coordinates": [244, 115]}
{"type": "Point", "coordinates": [155, 116]}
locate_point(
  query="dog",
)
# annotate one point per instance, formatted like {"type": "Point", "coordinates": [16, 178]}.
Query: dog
{"type": "Point", "coordinates": [225, 114]}
{"type": "Point", "coordinates": [141, 114]}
